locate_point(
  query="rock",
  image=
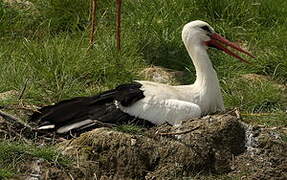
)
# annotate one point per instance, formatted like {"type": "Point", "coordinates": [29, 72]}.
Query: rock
{"type": "Point", "coordinates": [19, 3]}
{"type": "Point", "coordinates": [262, 78]}
{"type": "Point", "coordinates": [161, 75]}
{"type": "Point", "coordinates": [8, 95]}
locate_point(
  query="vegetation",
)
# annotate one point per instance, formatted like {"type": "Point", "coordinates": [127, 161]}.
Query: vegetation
{"type": "Point", "coordinates": [131, 129]}
{"type": "Point", "coordinates": [15, 154]}
{"type": "Point", "coordinates": [44, 49]}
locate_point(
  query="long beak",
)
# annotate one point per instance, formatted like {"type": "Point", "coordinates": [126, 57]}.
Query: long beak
{"type": "Point", "coordinates": [218, 42]}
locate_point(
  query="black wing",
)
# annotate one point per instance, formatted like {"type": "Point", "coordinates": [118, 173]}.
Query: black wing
{"type": "Point", "coordinates": [78, 113]}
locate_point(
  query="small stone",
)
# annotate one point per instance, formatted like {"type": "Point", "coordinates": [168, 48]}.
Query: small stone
{"type": "Point", "coordinates": [133, 142]}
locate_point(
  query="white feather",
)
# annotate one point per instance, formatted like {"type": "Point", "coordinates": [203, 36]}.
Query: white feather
{"type": "Point", "coordinates": [69, 127]}
{"type": "Point", "coordinates": [50, 126]}
{"type": "Point", "coordinates": [171, 111]}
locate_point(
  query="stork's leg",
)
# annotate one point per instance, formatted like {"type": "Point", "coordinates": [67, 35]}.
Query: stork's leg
{"type": "Point", "coordinates": [93, 22]}
{"type": "Point", "coordinates": [118, 23]}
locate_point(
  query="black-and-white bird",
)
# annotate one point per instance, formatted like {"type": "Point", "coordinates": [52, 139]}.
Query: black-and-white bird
{"type": "Point", "coordinates": [144, 100]}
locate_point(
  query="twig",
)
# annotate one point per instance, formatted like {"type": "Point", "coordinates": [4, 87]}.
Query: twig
{"type": "Point", "coordinates": [47, 174]}
{"type": "Point", "coordinates": [237, 113]}
{"type": "Point", "coordinates": [91, 12]}
{"type": "Point", "coordinates": [95, 123]}
{"type": "Point", "coordinates": [77, 158]}
{"type": "Point", "coordinates": [13, 119]}
{"type": "Point", "coordinates": [118, 23]}
{"type": "Point", "coordinates": [93, 22]}
{"type": "Point", "coordinates": [9, 117]}
{"type": "Point", "coordinates": [95, 176]}
{"type": "Point", "coordinates": [23, 138]}
{"type": "Point", "coordinates": [72, 178]}
{"type": "Point", "coordinates": [24, 89]}
{"type": "Point", "coordinates": [178, 133]}
{"type": "Point", "coordinates": [3, 131]}
{"type": "Point", "coordinates": [102, 124]}
{"type": "Point", "coordinates": [258, 114]}
{"type": "Point", "coordinates": [28, 109]}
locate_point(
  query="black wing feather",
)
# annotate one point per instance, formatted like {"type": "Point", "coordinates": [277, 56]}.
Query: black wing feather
{"type": "Point", "coordinates": [100, 107]}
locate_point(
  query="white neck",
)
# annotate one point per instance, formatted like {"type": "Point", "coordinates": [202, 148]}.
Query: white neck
{"type": "Point", "coordinates": [206, 83]}
{"type": "Point", "coordinates": [205, 74]}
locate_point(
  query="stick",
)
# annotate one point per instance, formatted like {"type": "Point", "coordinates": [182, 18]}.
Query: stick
{"type": "Point", "coordinates": [109, 125]}
{"type": "Point", "coordinates": [257, 114]}
{"type": "Point", "coordinates": [23, 90]}
{"type": "Point", "coordinates": [13, 119]}
{"type": "Point", "coordinates": [28, 109]}
{"type": "Point", "coordinates": [178, 133]}
{"type": "Point", "coordinates": [93, 28]}
{"type": "Point", "coordinates": [237, 113]}
{"type": "Point", "coordinates": [118, 23]}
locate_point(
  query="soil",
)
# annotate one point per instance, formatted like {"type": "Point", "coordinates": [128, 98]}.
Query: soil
{"type": "Point", "coordinates": [214, 147]}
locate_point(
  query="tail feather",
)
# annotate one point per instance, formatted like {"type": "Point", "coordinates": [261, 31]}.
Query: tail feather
{"type": "Point", "coordinates": [70, 127]}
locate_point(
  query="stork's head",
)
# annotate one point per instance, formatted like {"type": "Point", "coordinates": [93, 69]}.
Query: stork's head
{"type": "Point", "coordinates": [201, 34]}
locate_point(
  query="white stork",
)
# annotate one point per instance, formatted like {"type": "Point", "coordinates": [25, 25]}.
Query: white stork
{"type": "Point", "coordinates": [144, 100]}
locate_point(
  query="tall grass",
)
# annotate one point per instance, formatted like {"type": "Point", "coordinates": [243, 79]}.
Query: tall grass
{"type": "Point", "coordinates": [62, 67]}
{"type": "Point", "coordinates": [42, 18]}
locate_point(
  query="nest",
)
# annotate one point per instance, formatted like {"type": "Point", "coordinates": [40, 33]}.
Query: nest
{"type": "Point", "coordinates": [165, 152]}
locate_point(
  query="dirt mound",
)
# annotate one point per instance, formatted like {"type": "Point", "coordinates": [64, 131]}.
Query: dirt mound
{"type": "Point", "coordinates": [161, 152]}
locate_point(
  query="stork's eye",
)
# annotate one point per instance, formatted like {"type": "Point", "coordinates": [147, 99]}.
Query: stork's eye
{"type": "Point", "coordinates": [206, 28]}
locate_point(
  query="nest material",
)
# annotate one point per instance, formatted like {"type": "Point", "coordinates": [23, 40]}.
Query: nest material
{"type": "Point", "coordinates": [208, 148]}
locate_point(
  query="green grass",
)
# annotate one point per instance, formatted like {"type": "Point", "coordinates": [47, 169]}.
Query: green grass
{"type": "Point", "coordinates": [45, 47]}
{"type": "Point", "coordinates": [131, 129]}
{"type": "Point", "coordinates": [6, 173]}
{"type": "Point", "coordinates": [253, 96]}
{"type": "Point", "coordinates": [13, 155]}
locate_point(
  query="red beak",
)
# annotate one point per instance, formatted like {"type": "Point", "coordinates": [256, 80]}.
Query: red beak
{"type": "Point", "coordinates": [218, 42]}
